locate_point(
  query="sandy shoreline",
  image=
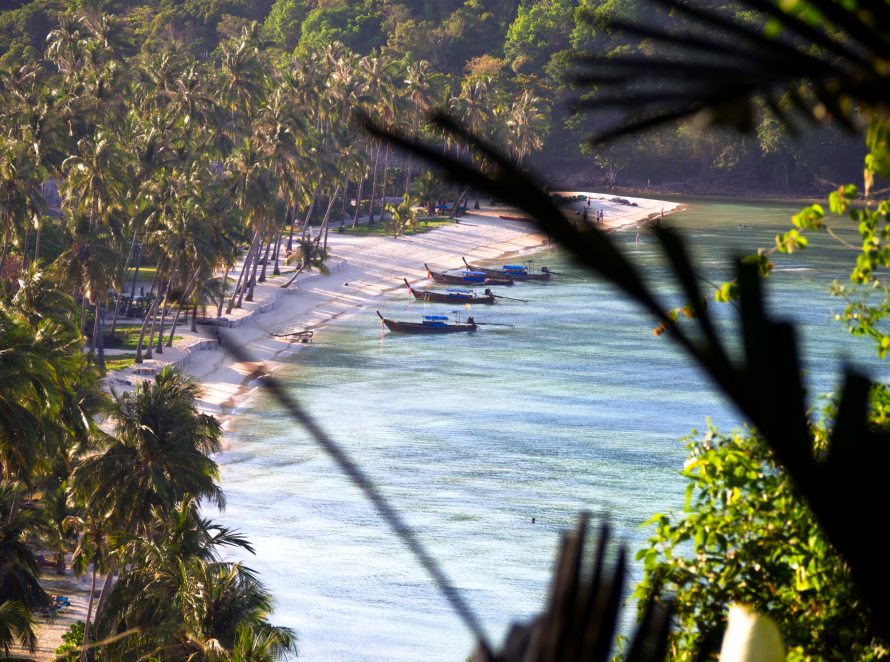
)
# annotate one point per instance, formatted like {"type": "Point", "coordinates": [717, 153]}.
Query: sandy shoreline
{"type": "Point", "coordinates": [365, 269]}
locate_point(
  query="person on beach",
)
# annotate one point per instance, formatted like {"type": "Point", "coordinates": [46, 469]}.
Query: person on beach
{"type": "Point", "coordinates": [638, 238]}
{"type": "Point", "coordinates": [585, 214]}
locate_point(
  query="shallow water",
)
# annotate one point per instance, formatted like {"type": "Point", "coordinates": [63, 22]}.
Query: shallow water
{"type": "Point", "coordinates": [578, 408]}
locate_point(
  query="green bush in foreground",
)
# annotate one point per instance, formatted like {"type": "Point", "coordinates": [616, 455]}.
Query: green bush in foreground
{"type": "Point", "coordinates": [71, 641]}
{"type": "Point", "coordinates": [746, 536]}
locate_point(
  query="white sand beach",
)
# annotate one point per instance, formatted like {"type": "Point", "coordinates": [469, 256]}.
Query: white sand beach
{"type": "Point", "coordinates": [363, 270]}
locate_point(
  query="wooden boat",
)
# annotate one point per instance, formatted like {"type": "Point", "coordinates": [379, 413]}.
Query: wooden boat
{"type": "Point", "coordinates": [430, 324]}
{"type": "Point", "coordinates": [469, 277]}
{"type": "Point", "coordinates": [450, 296]}
{"type": "Point", "coordinates": [512, 271]}
{"type": "Point", "coordinates": [517, 218]}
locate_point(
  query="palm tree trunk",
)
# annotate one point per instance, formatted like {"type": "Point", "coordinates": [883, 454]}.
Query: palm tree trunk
{"type": "Point", "coordinates": [293, 223]}
{"type": "Point", "coordinates": [106, 589]}
{"type": "Point", "coordinates": [252, 282]}
{"type": "Point", "coordinates": [135, 276]}
{"type": "Point", "coordinates": [37, 243]}
{"type": "Point", "coordinates": [182, 300]}
{"type": "Point", "coordinates": [311, 205]}
{"type": "Point", "coordinates": [238, 287]}
{"type": "Point", "coordinates": [276, 271]}
{"type": "Point", "coordinates": [28, 241]}
{"type": "Point", "coordinates": [294, 277]}
{"type": "Point", "coordinates": [5, 240]}
{"type": "Point", "coordinates": [83, 312]}
{"type": "Point", "coordinates": [491, 201]}
{"type": "Point", "coordinates": [457, 203]}
{"type": "Point", "coordinates": [149, 314]}
{"type": "Point", "coordinates": [327, 218]}
{"type": "Point", "coordinates": [195, 317]}
{"type": "Point", "coordinates": [100, 340]}
{"type": "Point", "coordinates": [170, 283]}
{"type": "Point", "coordinates": [262, 278]}
{"type": "Point", "coordinates": [86, 627]}
{"type": "Point", "coordinates": [413, 135]}
{"type": "Point", "coordinates": [358, 201]}
{"type": "Point", "coordinates": [95, 329]}
{"type": "Point", "coordinates": [117, 304]}
{"type": "Point", "coordinates": [374, 185]}
{"type": "Point", "coordinates": [247, 282]}
{"type": "Point", "coordinates": [151, 335]}
{"type": "Point", "coordinates": [222, 299]}
{"type": "Point", "coordinates": [385, 178]}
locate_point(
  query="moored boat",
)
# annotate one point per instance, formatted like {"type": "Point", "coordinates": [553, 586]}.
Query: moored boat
{"type": "Point", "coordinates": [469, 277]}
{"type": "Point", "coordinates": [512, 271]}
{"type": "Point", "coordinates": [450, 296]}
{"type": "Point", "coordinates": [430, 324]}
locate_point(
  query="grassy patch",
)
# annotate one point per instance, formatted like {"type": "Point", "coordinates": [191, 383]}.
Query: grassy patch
{"type": "Point", "coordinates": [119, 361]}
{"type": "Point", "coordinates": [130, 338]}
{"type": "Point", "coordinates": [146, 273]}
{"type": "Point", "coordinates": [425, 225]}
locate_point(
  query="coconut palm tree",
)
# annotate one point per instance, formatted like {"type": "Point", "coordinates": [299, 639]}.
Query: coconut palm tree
{"type": "Point", "coordinates": [97, 176]}
{"type": "Point", "coordinates": [420, 93]}
{"type": "Point", "coordinates": [58, 530]}
{"type": "Point", "coordinates": [17, 625]}
{"type": "Point", "coordinates": [528, 124]}
{"type": "Point", "coordinates": [157, 455]}
{"type": "Point", "coordinates": [21, 176]}
{"type": "Point", "coordinates": [92, 555]}
{"type": "Point", "coordinates": [427, 189]}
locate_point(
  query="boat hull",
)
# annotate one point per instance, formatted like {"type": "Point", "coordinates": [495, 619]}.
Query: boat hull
{"type": "Point", "coordinates": [512, 275]}
{"type": "Point", "coordinates": [463, 280]}
{"type": "Point", "coordinates": [414, 327]}
{"type": "Point", "coordinates": [438, 297]}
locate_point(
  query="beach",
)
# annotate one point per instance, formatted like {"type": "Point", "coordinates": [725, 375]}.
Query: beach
{"type": "Point", "coordinates": [364, 270]}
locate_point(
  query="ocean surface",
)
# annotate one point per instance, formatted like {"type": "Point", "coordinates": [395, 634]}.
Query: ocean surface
{"type": "Point", "coordinates": [470, 436]}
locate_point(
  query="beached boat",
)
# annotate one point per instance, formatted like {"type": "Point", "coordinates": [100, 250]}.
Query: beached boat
{"type": "Point", "coordinates": [512, 271]}
{"type": "Point", "coordinates": [451, 296]}
{"type": "Point", "coordinates": [468, 277]}
{"type": "Point", "coordinates": [430, 324]}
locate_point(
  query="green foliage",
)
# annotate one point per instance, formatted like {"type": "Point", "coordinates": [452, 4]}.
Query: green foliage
{"type": "Point", "coordinates": [746, 536]}
{"type": "Point", "coordinates": [72, 639]}
{"type": "Point", "coordinates": [540, 30]}
{"type": "Point", "coordinates": [354, 24]}
{"type": "Point", "coordinates": [284, 22]}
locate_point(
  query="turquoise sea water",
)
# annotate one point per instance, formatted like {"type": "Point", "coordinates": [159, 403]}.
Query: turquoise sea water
{"type": "Point", "coordinates": [578, 408]}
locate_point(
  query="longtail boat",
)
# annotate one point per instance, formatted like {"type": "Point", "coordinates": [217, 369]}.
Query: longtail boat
{"type": "Point", "coordinates": [513, 271]}
{"type": "Point", "coordinates": [430, 324]}
{"type": "Point", "coordinates": [469, 277]}
{"type": "Point", "coordinates": [451, 296]}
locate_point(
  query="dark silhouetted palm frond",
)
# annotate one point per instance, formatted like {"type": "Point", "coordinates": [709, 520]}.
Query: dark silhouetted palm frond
{"type": "Point", "coordinates": [724, 68]}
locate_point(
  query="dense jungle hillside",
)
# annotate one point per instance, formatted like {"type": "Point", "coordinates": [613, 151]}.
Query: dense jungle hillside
{"type": "Point", "coordinates": [514, 46]}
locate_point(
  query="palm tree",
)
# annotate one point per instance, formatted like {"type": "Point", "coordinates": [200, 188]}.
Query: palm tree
{"type": "Point", "coordinates": [18, 565]}
{"type": "Point", "coordinates": [528, 124]}
{"type": "Point", "coordinates": [17, 624]}
{"type": "Point", "coordinates": [93, 548]}
{"type": "Point", "coordinates": [427, 189]}
{"type": "Point", "coordinates": [58, 531]}
{"type": "Point", "coordinates": [158, 453]}
{"type": "Point", "coordinates": [21, 176]}
{"type": "Point", "coordinates": [97, 176]}
{"type": "Point", "coordinates": [90, 266]}
{"type": "Point", "coordinates": [420, 93]}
